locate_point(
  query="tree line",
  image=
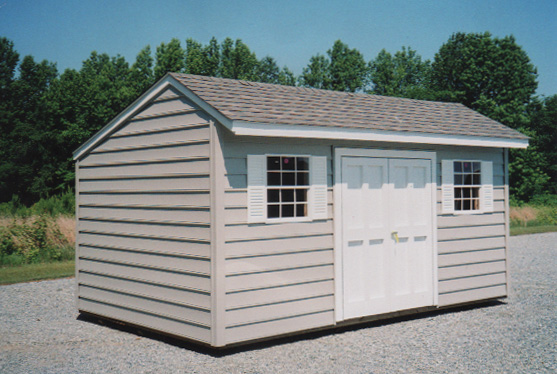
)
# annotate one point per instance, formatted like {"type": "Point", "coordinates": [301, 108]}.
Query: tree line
{"type": "Point", "coordinates": [45, 115]}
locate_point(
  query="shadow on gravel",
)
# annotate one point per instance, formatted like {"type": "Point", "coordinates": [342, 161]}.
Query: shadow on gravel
{"type": "Point", "coordinates": [254, 346]}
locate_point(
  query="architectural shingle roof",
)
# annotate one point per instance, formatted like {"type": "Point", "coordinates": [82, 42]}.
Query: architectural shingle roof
{"type": "Point", "coordinates": [275, 104]}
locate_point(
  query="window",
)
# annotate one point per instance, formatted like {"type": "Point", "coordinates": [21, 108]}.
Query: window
{"type": "Point", "coordinates": [467, 185]}
{"type": "Point", "coordinates": [287, 186]}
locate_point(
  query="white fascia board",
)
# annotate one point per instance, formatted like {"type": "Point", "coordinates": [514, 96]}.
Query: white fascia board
{"type": "Point", "coordinates": [139, 105]}
{"type": "Point", "coordinates": [321, 132]}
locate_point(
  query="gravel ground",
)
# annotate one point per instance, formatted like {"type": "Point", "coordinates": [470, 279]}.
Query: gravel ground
{"type": "Point", "coordinates": [40, 332]}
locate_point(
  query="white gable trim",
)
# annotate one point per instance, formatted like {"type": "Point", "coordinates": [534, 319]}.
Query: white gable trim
{"type": "Point", "coordinates": [321, 132]}
{"type": "Point", "coordinates": [138, 105]}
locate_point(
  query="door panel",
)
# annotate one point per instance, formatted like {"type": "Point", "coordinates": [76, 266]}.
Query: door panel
{"type": "Point", "coordinates": [366, 231]}
{"type": "Point", "coordinates": [387, 252]}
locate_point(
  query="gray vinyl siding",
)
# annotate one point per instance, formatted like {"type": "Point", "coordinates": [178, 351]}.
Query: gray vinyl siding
{"type": "Point", "coordinates": [279, 277]}
{"type": "Point", "coordinates": [471, 247]}
{"type": "Point", "coordinates": [144, 229]}
{"type": "Point", "coordinates": [280, 272]}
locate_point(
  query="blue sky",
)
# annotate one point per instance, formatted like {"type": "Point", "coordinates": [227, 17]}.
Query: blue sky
{"type": "Point", "coordinates": [65, 31]}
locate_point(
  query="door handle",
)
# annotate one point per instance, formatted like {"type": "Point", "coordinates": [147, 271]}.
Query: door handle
{"type": "Point", "coordinates": [395, 235]}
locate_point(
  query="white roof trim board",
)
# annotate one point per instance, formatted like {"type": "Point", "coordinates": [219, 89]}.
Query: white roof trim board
{"type": "Point", "coordinates": [304, 131]}
{"type": "Point", "coordinates": [289, 130]}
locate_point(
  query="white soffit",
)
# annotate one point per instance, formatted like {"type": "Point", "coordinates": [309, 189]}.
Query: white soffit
{"type": "Point", "coordinates": [315, 132]}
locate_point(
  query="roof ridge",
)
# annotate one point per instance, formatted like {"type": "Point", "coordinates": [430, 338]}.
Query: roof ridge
{"type": "Point", "coordinates": [320, 91]}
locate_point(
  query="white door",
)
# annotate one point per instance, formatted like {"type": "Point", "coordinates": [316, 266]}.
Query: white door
{"type": "Point", "coordinates": [387, 247]}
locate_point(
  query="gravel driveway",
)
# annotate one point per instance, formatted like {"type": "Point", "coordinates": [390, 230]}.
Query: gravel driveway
{"type": "Point", "coordinates": [39, 332]}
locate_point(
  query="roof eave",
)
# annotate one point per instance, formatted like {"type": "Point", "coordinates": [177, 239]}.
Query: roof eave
{"type": "Point", "coordinates": [322, 132]}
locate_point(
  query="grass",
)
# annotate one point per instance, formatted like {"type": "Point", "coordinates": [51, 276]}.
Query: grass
{"type": "Point", "coordinates": [35, 272]}
{"type": "Point", "coordinates": [521, 230]}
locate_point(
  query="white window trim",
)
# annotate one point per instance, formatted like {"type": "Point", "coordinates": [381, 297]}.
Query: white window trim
{"type": "Point", "coordinates": [448, 187]}
{"type": "Point", "coordinates": [257, 189]}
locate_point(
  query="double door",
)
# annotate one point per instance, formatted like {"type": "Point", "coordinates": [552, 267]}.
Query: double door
{"type": "Point", "coordinates": [387, 226]}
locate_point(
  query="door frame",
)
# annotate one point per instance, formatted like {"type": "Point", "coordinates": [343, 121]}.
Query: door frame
{"type": "Point", "coordinates": [337, 212]}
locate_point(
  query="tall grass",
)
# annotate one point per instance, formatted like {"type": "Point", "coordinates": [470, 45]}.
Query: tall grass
{"type": "Point", "coordinates": [540, 211]}
{"type": "Point", "coordinates": [44, 232]}
{"type": "Point", "coordinates": [36, 239]}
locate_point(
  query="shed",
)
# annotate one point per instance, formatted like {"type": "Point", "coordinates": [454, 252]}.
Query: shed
{"type": "Point", "coordinates": [223, 211]}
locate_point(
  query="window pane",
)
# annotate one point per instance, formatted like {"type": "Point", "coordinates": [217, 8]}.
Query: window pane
{"type": "Point", "coordinates": [273, 163]}
{"type": "Point", "coordinates": [288, 163]}
{"type": "Point", "coordinates": [457, 166]}
{"type": "Point", "coordinates": [287, 196]}
{"type": "Point", "coordinates": [465, 204]}
{"type": "Point", "coordinates": [476, 192]}
{"type": "Point", "coordinates": [302, 163]}
{"type": "Point", "coordinates": [288, 179]}
{"type": "Point", "coordinates": [458, 192]}
{"type": "Point", "coordinates": [476, 204]}
{"type": "Point", "coordinates": [468, 179]}
{"type": "Point", "coordinates": [273, 196]}
{"type": "Point", "coordinates": [302, 179]}
{"type": "Point", "coordinates": [477, 179]}
{"type": "Point", "coordinates": [301, 195]}
{"type": "Point", "coordinates": [287, 210]}
{"type": "Point", "coordinates": [273, 179]}
{"type": "Point", "coordinates": [273, 211]}
{"type": "Point", "coordinates": [465, 192]}
{"type": "Point", "coordinates": [467, 167]}
{"type": "Point", "coordinates": [458, 205]}
{"type": "Point", "coordinates": [476, 166]}
{"type": "Point", "coordinates": [301, 210]}
{"type": "Point", "coordinates": [458, 179]}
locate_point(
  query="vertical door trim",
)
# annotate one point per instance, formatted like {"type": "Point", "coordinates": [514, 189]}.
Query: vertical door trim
{"type": "Point", "coordinates": [337, 190]}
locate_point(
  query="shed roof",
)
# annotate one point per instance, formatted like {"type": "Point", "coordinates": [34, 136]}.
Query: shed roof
{"type": "Point", "coordinates": [262, 109]}
{"type": "Point", "coordinates": [266, 103]}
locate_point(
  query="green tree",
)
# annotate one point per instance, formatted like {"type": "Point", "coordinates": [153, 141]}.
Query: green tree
{"type": "Point", "coordinates": [27, 144]}
{"type": "Point", "coordinates": [491, 75]}
{"type": "Point", "coordinates": [286, 77]}
{"type": "Point", "coordinates": [268, 70]}
{"type": "Point", "coordinates": [169, 58]}
{"type": "Point", "coordinates": [195, 63]}
{"type": "Point", "coordinates": [347, 68]}
{"type": "Point", "coordinates": [141, 74]}
{"type": "Point", "coordinates": [316, 74]}
{"type": "Point", "coordinates": [211, 58]}
{"type": "Point", "coordinates": [9, 59]}
{"type": "Point", "coordinates": [343, 69]}
{"type": "Point", "coordinates": [544, 125]}
{"type": "Point", "coordinates": [237, 61]}
{"type": "Point", "coordinates": [527, 176]}
{"type": "Point", "coordinates": [403, 75]}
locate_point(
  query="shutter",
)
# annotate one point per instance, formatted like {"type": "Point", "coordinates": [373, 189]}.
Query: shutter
{"type": "Point", "coordinates": [487, 187]}
{"type": "Point", "coordinates": [318, 176]}
{"type": "Point", "coordinates": [257, 170]}
{"type": "Point", "coordinates": [447, 196]}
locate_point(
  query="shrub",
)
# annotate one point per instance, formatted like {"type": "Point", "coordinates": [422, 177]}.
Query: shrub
{"type": "Point", "coordinates": [63, 204]}
{"type": "Point", "coordinates": [33, 240]}
{"type": "Point", "coordinates": [544, 200]}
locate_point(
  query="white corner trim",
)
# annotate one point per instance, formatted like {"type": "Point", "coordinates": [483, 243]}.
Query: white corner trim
{"type": "Point", "coordinates": [139, 104]}
{"type": "Point", "coordinates": [321, 132]}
